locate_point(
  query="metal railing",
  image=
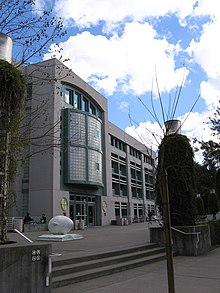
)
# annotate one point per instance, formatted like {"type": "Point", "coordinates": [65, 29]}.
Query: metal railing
{"type": "Point", "coordinates": [189, 233]}
{"type": "Point", "coordinates": [25, 237]}
{"type": "Point", "coordinates": [50, 267]}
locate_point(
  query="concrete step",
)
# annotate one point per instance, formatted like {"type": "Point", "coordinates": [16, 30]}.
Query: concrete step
{"type": "Point", "coordinates": [70, 273]}
{"type": "Point", "coordinates": [67, 259]}
{"type": "Point", "coordinates": [105, 261]}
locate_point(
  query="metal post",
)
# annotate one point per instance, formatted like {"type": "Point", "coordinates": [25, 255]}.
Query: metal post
{"type": "Point", "coordinates": [168, 236]}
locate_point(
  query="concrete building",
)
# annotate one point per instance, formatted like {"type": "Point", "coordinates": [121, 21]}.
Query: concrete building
{"type": "Point", "coordinates": [76, 161]}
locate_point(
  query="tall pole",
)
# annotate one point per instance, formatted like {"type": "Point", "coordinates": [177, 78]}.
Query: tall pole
{"type": "Point", "coordinates": [168, 235]}
{"type": "Point", "coordinates": [164, 192]}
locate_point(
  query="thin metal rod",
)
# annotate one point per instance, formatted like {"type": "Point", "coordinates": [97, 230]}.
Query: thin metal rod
{"type": "Point", "coordinates": [25, 237]}
{"type": "Point", "coordinates": [168, 236]}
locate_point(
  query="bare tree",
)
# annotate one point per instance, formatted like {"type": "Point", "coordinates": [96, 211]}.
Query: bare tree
{"type": "Point", "coordinates": [31, 30]}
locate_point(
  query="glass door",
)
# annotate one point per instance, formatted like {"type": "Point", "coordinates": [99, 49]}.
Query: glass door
{"type": "Point", "coordinates": [91, 214]}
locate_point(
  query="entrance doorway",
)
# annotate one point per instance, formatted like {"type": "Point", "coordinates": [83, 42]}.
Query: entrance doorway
{"type": "Point", "coordinates": [83, 208]}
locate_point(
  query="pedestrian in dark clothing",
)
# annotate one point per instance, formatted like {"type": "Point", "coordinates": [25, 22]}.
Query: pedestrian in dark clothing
{"type": "Point", "coordinates": [150, 216]}
{"type": "Point", "coordinates": [28, 219]}
{"type": "Point", "coordinates": [43, 219]}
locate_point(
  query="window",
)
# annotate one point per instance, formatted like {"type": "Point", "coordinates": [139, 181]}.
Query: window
{"type": "Point", "coordinates": [124, 209]}
{"type": "Point", "coordinates": [97, 166]}
{"type": "Point", "coordinates": [97, 133]}
{"type": "Point", "coordinates": [135, 210]}
{"type": "Point", "coordinates": [117, 143]}
{"type": "Point", "coordinates": [92, 109]}
{"type": "Point", "coordinates": [117, 210]}
{"type": "Point", "coordinates": [69, 96]}
{"type": "Point", "coordinates": [29, 90]}
{"type": "Point", "coordinates": [77, 101]}
{"type": "Point", "coordinates": [85, 105]}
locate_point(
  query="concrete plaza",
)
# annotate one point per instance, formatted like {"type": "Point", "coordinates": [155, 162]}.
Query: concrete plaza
{"type": "Point", "coordinates": [192, 274]}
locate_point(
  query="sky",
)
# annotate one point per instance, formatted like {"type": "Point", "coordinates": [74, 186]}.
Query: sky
{"type": "Point", "coordinates": [154, 60]}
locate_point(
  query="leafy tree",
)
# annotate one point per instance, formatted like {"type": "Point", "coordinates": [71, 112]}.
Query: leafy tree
{"type": "Point", "coordinates": [205, 181]}
{"type": "Point", "coordinates": [31, 30]}
{"type": "Point", "coordinates": [213, 204]}
{"type": "Point", "coordinates": [176, 158]}
{"type": "Point", "coordinates": [211, 149]}
{"type": "Point", "coordinates": [12, 88]}
{"type": "Point", "coordinates": [217, 186]}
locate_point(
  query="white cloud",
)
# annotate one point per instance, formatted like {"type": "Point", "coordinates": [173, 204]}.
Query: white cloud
{"type": "Point", "coordinates": [194, 125]}
{"type": "Point", "coordinates": [85, 13]}
{"type": "Point", "coordinates": [148, 133]}
{"type": "Point", "coordinates": [124, 63]}
{"type": "Point", "coordinates": [206, 52]}
{"type": "Point", "coordinates": [127, 62]}
{"type": "Point", "coordinates": [210, 92]}
{"type": "Point", "coordinates": [40, 5]}
{"type": "Point", "coordinates": [124, 106]}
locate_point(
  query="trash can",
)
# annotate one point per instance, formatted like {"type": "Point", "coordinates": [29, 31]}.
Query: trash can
{"type": "Point", "coordinates": [125, 221]}
{"type": "Point", "coordinates": [18, 224]}
{"type": "Point", "coordinates": [81, 225]}
{"type": "Point", "coordinates": [120, 221]}
{"type": "Point", "coordinates": [76, 225]}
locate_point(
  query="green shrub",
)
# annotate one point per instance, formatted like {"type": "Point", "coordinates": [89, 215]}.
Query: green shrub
{"type": "Point", "coordinates": [176, 158]}
{"type": "Point", "coordinates": [215, 232]}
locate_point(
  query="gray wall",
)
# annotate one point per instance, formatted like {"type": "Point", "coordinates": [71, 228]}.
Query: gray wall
{"type": "Point", "coordinates": [23, 269]}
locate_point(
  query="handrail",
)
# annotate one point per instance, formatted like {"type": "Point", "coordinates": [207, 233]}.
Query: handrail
{"type": "Point", "coordinates": [189, 233]}
{"type": "Point", "coordinates": [50, 267]}
{"type": "Point", "coordinates": [25, 237]}
{"type": "Point", "coordinates": [180, 231]}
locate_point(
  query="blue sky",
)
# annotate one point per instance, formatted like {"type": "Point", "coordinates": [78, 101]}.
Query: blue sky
{"type": "Point", "coordinates": [131, 50]}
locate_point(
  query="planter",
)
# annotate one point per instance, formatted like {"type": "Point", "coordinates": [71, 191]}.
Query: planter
{"type": "Point", "coordinates": [24, 268]}
{"type": "Point", "coordinates": [187, 240]}
{"type": "Point", "coordinates": [35, 227]}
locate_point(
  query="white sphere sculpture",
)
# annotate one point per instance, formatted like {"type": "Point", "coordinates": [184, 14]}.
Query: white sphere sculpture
{"type": "Point", "coordinates": [60, 225]}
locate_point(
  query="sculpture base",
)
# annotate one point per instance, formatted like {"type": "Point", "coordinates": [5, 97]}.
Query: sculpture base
{"type": "Point", "coordinates": [56, 237]}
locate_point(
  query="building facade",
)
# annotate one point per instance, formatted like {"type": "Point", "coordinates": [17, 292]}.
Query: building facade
{"type": "Point", "coordinates": [76, 161]}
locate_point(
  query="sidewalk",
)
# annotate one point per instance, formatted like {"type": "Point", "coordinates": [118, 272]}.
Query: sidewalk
{"type": "Point", "coordinates": [95, 239]}
{"type": "Point", "coordinates": [192, 274]}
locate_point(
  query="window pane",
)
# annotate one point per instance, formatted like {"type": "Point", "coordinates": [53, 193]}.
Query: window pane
{"type": "Point", "coordinates": [77, 101]}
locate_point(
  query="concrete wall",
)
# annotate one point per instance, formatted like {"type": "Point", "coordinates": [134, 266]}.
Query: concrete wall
{"type": "Point", "coordinates": [184, 243]}
{"type": "Point", "coordinates": [23, 269]}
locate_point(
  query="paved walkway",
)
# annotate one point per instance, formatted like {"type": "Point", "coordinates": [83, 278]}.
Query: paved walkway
{"type": "Point", "coordinates": [192, 274]}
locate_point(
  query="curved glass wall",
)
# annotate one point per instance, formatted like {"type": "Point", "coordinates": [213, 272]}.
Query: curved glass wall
{"type": "Point", "coordinates": [82, 148]}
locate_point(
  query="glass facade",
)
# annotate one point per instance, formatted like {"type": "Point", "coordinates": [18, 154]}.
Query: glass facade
{"type": "Point", "coordinates": [82, 148]}
{"type": "Point", "coordinates": [77, 128]}
{"type": "Point", "coordinates": [77, 163]}
{"type": "Point", "coordinates": [95, 166]}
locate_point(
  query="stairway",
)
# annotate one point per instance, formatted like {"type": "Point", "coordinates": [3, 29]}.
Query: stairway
{"type": "Point", "coordinates": [78, 269]}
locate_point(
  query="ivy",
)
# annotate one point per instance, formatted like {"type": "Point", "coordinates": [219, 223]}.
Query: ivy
{"type": "Point", "coordinates": [176, 157]}
{"type": "Point", "coordinates": [12, 91]}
